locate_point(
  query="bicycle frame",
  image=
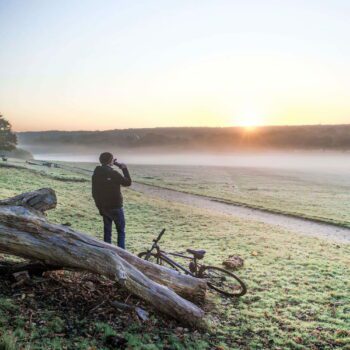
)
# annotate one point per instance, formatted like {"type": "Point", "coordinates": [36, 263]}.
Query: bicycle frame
{"type": "Point", "coordinates": [163, 256]}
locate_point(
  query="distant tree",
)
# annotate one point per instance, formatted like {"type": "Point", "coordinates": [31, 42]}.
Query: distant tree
{"type": "Point", "coordinates": [8, 140]}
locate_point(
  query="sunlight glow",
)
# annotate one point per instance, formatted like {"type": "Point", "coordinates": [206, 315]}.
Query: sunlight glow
{"type": "Point", "coordinates": [249, 119]}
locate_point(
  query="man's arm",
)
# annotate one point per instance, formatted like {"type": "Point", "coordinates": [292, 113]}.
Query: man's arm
{"type": "Point", "coordinates": [125, 179]}
{"type": "Point", "coordinates": [95, 191]}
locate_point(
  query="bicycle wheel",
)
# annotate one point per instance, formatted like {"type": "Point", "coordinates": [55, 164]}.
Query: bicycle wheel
{"type": "Point", "coordinates": [155, 259]}
{"type": "Point", "coordinates": [223, 281]}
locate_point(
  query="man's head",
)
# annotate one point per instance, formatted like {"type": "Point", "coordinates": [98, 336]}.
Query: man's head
{"type": "Point", "coordinates": [106, 158]}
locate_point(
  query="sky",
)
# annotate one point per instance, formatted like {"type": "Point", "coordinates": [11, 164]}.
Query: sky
{"type": "Point", "coordinates": [97, 65]}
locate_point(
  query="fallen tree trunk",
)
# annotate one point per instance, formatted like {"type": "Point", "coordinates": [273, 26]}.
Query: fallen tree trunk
{"type": "Point", "coordinates": [25, 232]}
{"type": "Point", "coordinates": [45, 199]}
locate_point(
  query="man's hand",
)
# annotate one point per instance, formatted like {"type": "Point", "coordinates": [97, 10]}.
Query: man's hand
{"type": "Point", "coordinates": [120, 165]}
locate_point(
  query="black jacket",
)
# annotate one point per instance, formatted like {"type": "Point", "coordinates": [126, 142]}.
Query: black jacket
{"type": "Point", "coordinates": [106, 184]}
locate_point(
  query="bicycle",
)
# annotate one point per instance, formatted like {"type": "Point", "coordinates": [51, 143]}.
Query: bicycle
{"type": "Point", "coordinates": [218, 279]}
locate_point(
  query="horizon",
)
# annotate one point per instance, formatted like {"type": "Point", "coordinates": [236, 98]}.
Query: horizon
{"type": "Point", "coordinates": [249, 128]}
{"type": "Point", "coordinates": [74, 65]}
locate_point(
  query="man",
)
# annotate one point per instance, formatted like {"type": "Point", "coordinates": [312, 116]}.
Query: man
{"type": "Point", "coordinates": [106, 192]}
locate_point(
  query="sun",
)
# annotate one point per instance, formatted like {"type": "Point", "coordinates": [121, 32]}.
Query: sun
{"type": "Point", "coordinates": [249, 119]}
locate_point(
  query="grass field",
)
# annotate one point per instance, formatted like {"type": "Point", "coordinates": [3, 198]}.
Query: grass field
{"type": "Point", "coordinates": [298, 295]}
{"type": "Point", "coordinates": [315, 195]}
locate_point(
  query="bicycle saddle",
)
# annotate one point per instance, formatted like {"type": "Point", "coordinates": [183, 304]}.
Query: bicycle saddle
{"type": "Point", "coordinates": [198, 254]}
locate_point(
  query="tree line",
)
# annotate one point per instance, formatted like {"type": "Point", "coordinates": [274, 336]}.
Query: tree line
{"type": "Point", "coordinates": [327, 137]}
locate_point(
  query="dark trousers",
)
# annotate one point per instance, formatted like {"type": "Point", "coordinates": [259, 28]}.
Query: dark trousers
{"type": "Point", "coordinates": [116, 216]}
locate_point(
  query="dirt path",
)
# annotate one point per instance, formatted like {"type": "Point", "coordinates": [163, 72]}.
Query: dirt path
{"type": "Point", "coordinates": [300, 225]}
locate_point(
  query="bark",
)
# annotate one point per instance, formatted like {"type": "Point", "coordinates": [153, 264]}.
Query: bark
{"type": "Point", "coordinates": [25, 232]}
{"type": "Point", "coordinates": [40, 200]}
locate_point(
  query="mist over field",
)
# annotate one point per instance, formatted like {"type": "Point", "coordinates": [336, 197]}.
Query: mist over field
{"type": "Point", "coordinates": [325, 161]}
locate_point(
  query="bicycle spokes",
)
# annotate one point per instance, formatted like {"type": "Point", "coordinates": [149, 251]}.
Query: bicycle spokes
{"type": "Point", "coordinates": [224, 281]}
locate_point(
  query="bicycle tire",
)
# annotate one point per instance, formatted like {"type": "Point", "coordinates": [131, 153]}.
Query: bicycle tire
{"type": "Point", "coordinates": [222, 275]}
{"type": "Point", "coordinates": [157, 260]}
